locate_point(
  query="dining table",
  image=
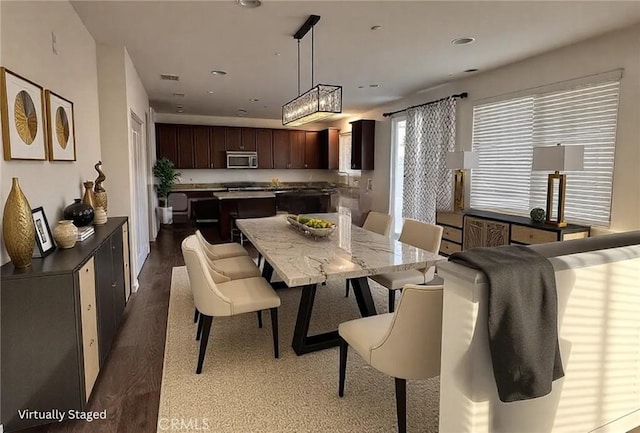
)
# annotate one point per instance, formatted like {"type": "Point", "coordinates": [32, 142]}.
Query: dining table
{"type": "Point", "coordinates": [348, 253]}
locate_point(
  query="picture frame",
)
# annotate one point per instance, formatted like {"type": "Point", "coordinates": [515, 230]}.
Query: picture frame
{"type": "Point", "coordinates": [22, 112]}
{"type": "Point", "coordinates": [44, 239]}
{"type": "Point", "coordinates": [61, 124]}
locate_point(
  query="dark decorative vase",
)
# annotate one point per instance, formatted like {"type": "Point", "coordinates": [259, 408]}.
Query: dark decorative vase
{"type": "Point", "coordinates": [80, 213]}
{"type": "Point", "coordinates": [538, 214]}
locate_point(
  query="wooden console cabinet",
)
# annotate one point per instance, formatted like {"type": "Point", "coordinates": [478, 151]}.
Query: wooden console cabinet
{"type": "Point", "coordinates": [58, 320]}
{"type": "Point", "coordinates": [476, 228]}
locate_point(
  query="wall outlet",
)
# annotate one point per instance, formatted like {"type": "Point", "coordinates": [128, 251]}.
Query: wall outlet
{"type": "Point", "coordinates": [369, 184]}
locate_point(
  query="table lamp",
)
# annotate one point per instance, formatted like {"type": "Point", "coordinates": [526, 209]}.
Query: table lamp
{"type": "Point", "coordinates": [557, 158]}
{"type": "Point", "coordinates": [460, 161]}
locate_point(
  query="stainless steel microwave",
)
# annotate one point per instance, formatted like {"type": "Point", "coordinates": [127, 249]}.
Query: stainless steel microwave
{"type": "Point", "coordinates": [242, 160]}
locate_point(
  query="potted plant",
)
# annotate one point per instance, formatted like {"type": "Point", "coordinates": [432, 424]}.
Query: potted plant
{"type": "Point", "coordinates": [166, 176]}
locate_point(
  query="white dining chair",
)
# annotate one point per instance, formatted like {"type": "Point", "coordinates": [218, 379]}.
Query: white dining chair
{"type": "Point", "coordinates": [376, 222]}
{"type": "Point", "coordinates": [221, 251]}
{"type": "Point", "coordinates": [225, 299]}
{"type": "Point", "coordinates": [405, 344]}
{"type": "Point", "coordinates": [420, 235]}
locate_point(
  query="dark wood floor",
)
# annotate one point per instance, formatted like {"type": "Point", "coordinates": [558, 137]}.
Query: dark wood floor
{"type": "Point", "coordinates": [128, 386]}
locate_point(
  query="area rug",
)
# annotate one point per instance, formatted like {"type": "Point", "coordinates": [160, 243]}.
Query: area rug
{"type": "Point", "coordinates": [242, 388]}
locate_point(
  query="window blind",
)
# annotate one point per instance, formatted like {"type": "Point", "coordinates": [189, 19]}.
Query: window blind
{"type": "Point", "coordinates": [505, 133]}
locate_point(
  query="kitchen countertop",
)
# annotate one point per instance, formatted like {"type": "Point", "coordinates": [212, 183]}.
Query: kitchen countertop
{"type": "Point", "coordinates": [232, 195]}
{"type": "Point", "coordinates": [262, 186]}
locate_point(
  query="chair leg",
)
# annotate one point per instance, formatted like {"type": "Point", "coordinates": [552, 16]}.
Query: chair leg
{"type": "Point", "coordinates": [344, 348]}
{"type": "Point", "coordinates": [259, 259]}
{"type": "Point", "coordinates": [401, 404]}
{"type": "Point", "coordinates": [195, 316]}
{"type": "Point", "coordinates": [204, 339]}
{"type": "Point", "coordinates": [200, 322]}
{"type": "Point", "coordinates": [392, 301]}
{"type": "Point", "coordinates": [259, 319]}
{"type": "Point", "coordinates": [274, 329]}
{"type": "Point", "coordinates": [346, 293]}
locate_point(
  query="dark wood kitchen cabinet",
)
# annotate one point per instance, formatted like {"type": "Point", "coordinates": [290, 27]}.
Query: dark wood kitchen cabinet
{"type": "Point", "coordinates": [330, 144]}
{"type": "Point", "coordinates": [362, 144]}
{"type": "Point", "coordinates": [248, 139]}
{"type": "Point", "coordinates": [217, 149]}
{"type": "Point", "coordinates": [297, 152]}
{"type": "Point", "coordinates": [264, 146]}
{"type": "Point", "coordinates": [185, 147]}
{"type": "Point", "coordinates": [233, 138]}
{"type": "Point", "coordinates": [281, 148]}
{"type": "Point", "coordinates": [166, 142]}
{"type": "Point", "coordinates": [57, 322]}
{"type": "Point", "coordinates": [201, 147]}
{"type": "Point", "coordinates": [313, 151]}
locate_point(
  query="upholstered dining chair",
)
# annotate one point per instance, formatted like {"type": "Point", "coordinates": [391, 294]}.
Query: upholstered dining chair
{"type": "Point", "coordinates": [376, 222]}
{"type": "Point", "coordinates": [405, 344]}
{"type": "Point", "coordinates": [229, 260]}
{"type": "Point", "coordinates": [225, 299]}
{"type": "Point", "coordinates": [420, 235]}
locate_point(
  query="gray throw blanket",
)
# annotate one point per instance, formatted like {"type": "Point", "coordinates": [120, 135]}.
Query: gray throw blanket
{"type": "Point", "coordinates": [523, 310]}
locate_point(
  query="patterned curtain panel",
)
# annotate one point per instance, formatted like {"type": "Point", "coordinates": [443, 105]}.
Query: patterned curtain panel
{"type": "Point", "coordinates": [428, 184]}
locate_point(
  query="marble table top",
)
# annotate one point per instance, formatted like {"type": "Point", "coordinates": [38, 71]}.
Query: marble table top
{"type": "Point", "coordinates": [349, 252]}
{"type": "Point", "coordinates": [234, 195]}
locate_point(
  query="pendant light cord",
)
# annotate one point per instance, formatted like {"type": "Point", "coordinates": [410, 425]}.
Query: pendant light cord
{"type": "Point", "coordinates": [312, 45]}
{"type": "Point", "coordinates": [298, 67]}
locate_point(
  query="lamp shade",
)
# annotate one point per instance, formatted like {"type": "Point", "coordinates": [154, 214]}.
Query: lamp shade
{"type": "Point", "coordinates": [558, 158]}
{"type": "Point", "coordinates": [462, 160]}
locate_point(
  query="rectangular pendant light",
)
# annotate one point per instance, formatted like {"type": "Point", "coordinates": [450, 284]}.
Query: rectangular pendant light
{"type": "Point", "coordinates": [318, 103]}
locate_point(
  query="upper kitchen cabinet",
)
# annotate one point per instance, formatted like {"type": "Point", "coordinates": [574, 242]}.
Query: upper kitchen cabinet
{"type": "Point", "coordinates": [297, 152]}
{"type": "Point", "coordinates": [264, 146]}
{"type": "Point", "coordinates": [330, 148]}
{"type": "Point", "coordinates": [281, 148]}
{"type": "Point", "coordinates": [166, 144]}
{"type": "Point", "coordinates": [362, 144]}
{"type": "Point", "coordinates": [185, 147]}
{"type": "Point", "coordinates": [313, 150]}
{"type": "Point", "coordinates": [217, 147]}
{"type": "Point", "coordinates": [248, 139]}
{"type": "Point", "coordinates": [233, 138]}
{"type": "Point", "coordinates": [201, 147]}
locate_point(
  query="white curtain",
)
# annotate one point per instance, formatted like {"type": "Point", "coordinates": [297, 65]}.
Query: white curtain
{"type": "Point", "coordinates": [430, 134]}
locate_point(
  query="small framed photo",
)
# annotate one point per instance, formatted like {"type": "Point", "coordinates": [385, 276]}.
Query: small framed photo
{"type": "Point", "coordinates": [23, 117]}
{"type": "Point", "coordinates": [61, 124]}
{"type": "Point", "coordinates": [44, 239]}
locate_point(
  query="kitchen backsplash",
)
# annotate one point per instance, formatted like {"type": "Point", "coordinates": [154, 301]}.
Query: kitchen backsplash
{"type": "Point", "coordinates": [256, 175]}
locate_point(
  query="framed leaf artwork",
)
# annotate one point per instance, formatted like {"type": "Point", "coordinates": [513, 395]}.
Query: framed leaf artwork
{"type": "Point", "coordinates": [22, 113]}
{"type": "Point", "coordinates": [61, 136]}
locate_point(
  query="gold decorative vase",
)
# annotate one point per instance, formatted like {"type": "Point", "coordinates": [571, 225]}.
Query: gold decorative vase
{"type": "Point", "coordinates": [100, 216]}
{"type": "Point", "coordinates": [100, 199]}
{"type": "Point", "coordinates": [65, 234]}
{"type": "Point", "coordinates": [88, 194]}
{"type": "Point", "coordinates": [18, 230]}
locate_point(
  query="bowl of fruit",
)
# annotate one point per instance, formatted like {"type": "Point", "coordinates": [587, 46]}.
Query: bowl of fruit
{"type": "Point", "coordinates": [314, 227]}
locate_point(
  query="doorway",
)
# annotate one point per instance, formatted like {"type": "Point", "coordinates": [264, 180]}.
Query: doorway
{"type": "Point", "coordinates": [139, 205]}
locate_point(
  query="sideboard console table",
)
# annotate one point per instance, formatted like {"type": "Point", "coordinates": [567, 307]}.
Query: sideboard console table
{"type": "Point", "coordinates": [58, 320]}
{"type": "Point", "coordinates": [478, 228]}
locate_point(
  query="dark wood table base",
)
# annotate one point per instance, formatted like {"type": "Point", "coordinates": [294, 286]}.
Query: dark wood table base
{"type": "Point", "coordinates": [303, 342]}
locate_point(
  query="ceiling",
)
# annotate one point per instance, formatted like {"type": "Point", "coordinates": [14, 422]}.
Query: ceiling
{"type": "Point", "coordinates": [411, 51]}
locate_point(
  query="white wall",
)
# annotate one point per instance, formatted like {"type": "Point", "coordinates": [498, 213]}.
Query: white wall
{"type": "Point", "coordinates": [121, 93]}
{"type": "Point", "coordinates": [26, 49]}
{"type": "Point", "coordinates": [605, 53]}
{"type": "Point", "coordinates": [218, 175]}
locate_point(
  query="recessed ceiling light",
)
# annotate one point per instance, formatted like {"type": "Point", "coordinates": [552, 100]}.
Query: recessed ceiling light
{"type": "Point", "coordinates": [463, 41]}
{"type": "Point", "coordinates": [254, 100]}
{"type": "Point", "coordinates": [179, 95]}
{"type": "Point", "coordinates": [209, 92]}
{"type": "Point", "coordinates": [218, 72]}
{"type": "Point", "coordinates": [471, 70]}
{"type": "Point", "coordinates": [360, 87]}
{"type": "Point", "coordinates": [170, 77]}
{"type": "Point", "coordinates": [376, 27]}
{"type": "Point", "coordinates": [374, 85]}
{"type": "Point", "coordinates": [242, 111]}
{"type": "Point", "coordinates": [249, 3]}
{"type": "Point", "coordinates": [264, 106]}
{"type": "Point", "coordinates": [277, 54]}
